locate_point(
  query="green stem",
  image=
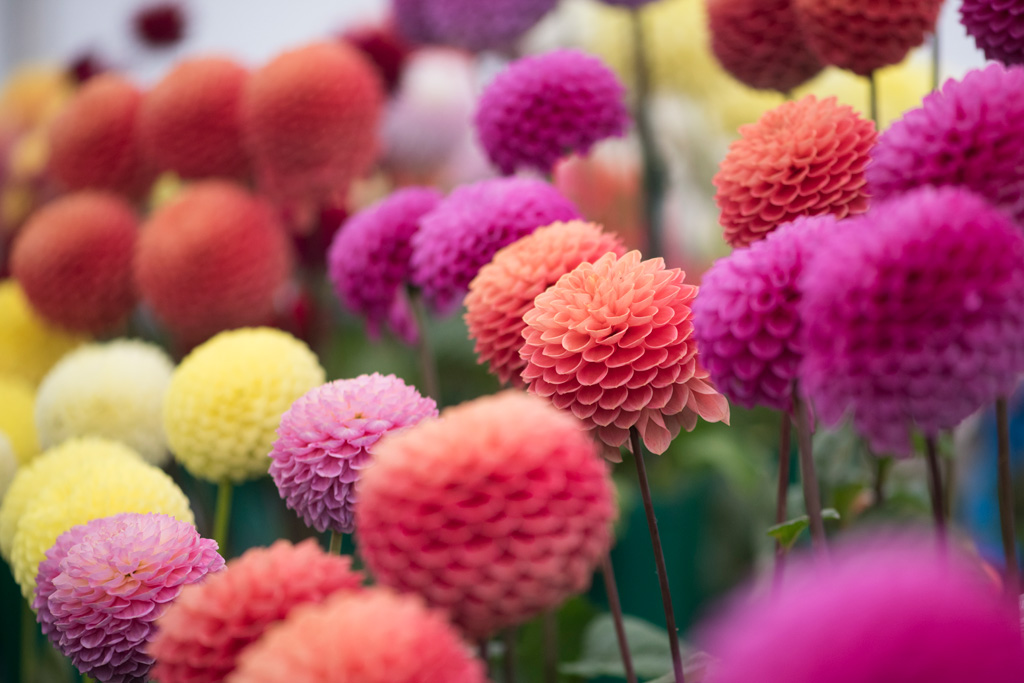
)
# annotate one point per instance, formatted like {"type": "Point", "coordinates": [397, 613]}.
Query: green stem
{"type": "Point", "coordinates": [88, 679]}
{"type": "Point", "coordinates": [222, 516]}
{"type": "Point", "coordinates": [873, 88]}
{"type": "Point", "coordinates": [812, 494]}
{"type": "Point", "coordinates": [612, 590]}
{"type": "Point", "coordinates": [427, 360]}
{"type": "Point", "coordinates": [653, 166]}
{"type": "Point", "coordinates": [781, 495]}
{"type": "Point", "coordinates": [935, 487]}
{"type": "Point", "coordinates": [335, 547]}
{"type": "Point", "coordinates": [936, 60]}
{"type": "Point", "coordinates": [1005, 479]}
{"type": "Point", "coordinates": [485, 656]}
{"type": "Point", "coordinates": [509, 657]}
{"type": "Point", "coordinates": [549, 622]}
{"type": "Point", "coordinates": [28, 643]}
{"type": "Point", "coordinates": [882, 467]}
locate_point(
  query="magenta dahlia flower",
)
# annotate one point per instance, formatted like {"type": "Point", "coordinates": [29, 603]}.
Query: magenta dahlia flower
{"type": "Point", "coordinates": [104, 584]}
{"type": "Point", "coordinates": [997, 27]}
{"type": "Point", "coordinates": [368, 261]}
{"type": "Point", "coordinates": [913, 315]}
{"type": "Point", "coordinates": [463, 233]}
{"type": "Point", "coordinates": [546, 107]}
{"type": "Point", "coordinates": [967, 134]}
{"type": "Point", "coordinates": [327, 438]}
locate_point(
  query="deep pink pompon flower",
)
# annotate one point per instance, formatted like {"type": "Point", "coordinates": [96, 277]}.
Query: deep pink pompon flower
{"type": "Point", "coordinates": [463, 233]}
{"type": "Point", "coordinates": [913, 315]}
{"type": "Point", "coordinates": [889, 609]}
{"type": "Point", "coordinates": [327, 438]}
{"type": "Point", "coordinates": [543, 108]}
{"type": "Point", "coordinates": [967, 134]}
{"type": "Point", "coordinates": [368, 261]}
{"type": "Point", "coordinates": [997, 27]}
{"type": "Point", "coordinates": [105, 583]}
{"type": "Point", "coordinates": [746, 319]}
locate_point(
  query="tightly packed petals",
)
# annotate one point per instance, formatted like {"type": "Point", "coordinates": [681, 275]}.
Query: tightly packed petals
{"type": "Point", "coordinates": [463, 233]}
{"type": "Point", "coordinates": [29, 346]}
{"type": "Point", "coordinates": [864, 35]}
{"type": "Point", "coordinates": [190, 123]}
{"type": "Point", "coordinates": [546, 107]}
{"type": "Point", "coordinates": [496, 512]}
{"type": "Point", "coordinates": [760, 43]}
{"type": "Point", "coordinates": [114, 390]}
{"type": "Point", "coordinates": [997, 27]}
{"type": "Point", "coordinates": [73, 259]}
{"type": "Point", "coordinates": [885, 610]}
{"type": "Point", "coordinates": [104, 584]}
{"type": "Point", "coordinates": [612, 343]}
{"type": "Point", "coordinates": [372, 637]}
{"type": "Point", "coordinates": [17, 407]}
{"type": "Point", "coordinates": [746, 318]}
{"type": "Point", "coordinates": [227, 397]}
{"type": "Point", "coordinates": [212, 259]}
{"type": "Point", "coordinates": [368, 262]}
{"type": "Point", "coordinates": [94, 142]}
{"type": "Point", "coordinates": [967, 134]}
{"type": "Point", "coordinates": [201, 635]}
{"type": "Point", "coordinates": [478, 25]}
{"type": "Point", "coordinates": [328, 437]}
{"type": "Point", "coordinates": [932, 335]}
{"type": "Point", "coordinates": [504, 289]}
{"type": "Point", "coordinates": [803, 158]}
{"type": "Point", "coordinates": [8, 465]}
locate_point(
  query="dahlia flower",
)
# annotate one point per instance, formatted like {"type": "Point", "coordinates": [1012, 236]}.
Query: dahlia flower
{"type": "Point", "coordinates": [997, 27]}
{"type": "Point", "coordinates": [932, 335]}
{"type": "Point", "coordinates": [384, 47]}
{"type": "Point", "coordinates": [17, 403]}
{"type": "Point", "coordinates": [29, 346]}
{"type": "Point", "coordinates": [495, 513]}
{"type": "Point", "coordinates": [201, 634]}
{"type": "Point", "coordinates": [477, 25]}
{"type": "Point", "coordinates": [104, 583]}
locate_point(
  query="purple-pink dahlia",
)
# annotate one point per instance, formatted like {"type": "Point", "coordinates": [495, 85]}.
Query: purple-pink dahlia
{"type": "Point", "coordinates": [746, 319]}
{"type": "Point", "coordinates": [913, 315]}
{"type": "Point", "coordinates": [474, 25]}
{"type": "Point", "coordinates": [997, 27]}
{"type": "Point", "coordinates": [546, 107]}
{"type": "Point", "coordinates": [368, 261]}
{"type": "Point", "coordinates": [327, 438]}
{"type": "Point", "coordinates": [463, 233]}
{"type": "Point", "coordinates": [104, 584]}
{"type": "Point", "coordinates": [967, 134]}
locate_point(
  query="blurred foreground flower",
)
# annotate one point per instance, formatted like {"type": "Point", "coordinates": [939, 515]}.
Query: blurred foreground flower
{"type": "Point", "coordinates": [29, 346]}
{"type": "Point", "coordinates": [997, 27]}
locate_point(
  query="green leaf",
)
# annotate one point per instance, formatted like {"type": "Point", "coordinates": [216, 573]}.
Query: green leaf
{"type": "Point", "coordinates": [789, 531]}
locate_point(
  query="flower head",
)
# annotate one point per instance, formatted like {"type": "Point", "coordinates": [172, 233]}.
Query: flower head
{"type": "Point", "coordinates": [17, 406]}
{"type": "Point", "coordinates": [504, 289]}
{"type": "Point", "coordinates": [997, 27]}
{"type": "Point", "coordinates": [463, 233]}
{"type": "Point", "coordinates": [200, 636]}
{"type": "Point", "coordinates": [612, 343]}
{"type": "Point", "coordinates": [29, 346]}
{"type": "Point", "coordinates": [374, 636]}
{"type": "Point", "coordinates": [476, 25]}
{"type": "Point", "coordinates": [543, 108]}
{"type": "Point", "coordinates": [383, 46]}
{"type": "Point", "coordinates": [487, 520]}
{"type": "Point", "coordinates": [160, 25]}
{"type": "Point", "coordinates": [803, 158]}
{"type": "Point", "coordinates": [328, 437]}
{"type": "Point", "coordinates": [932, 335]}
{"type": "Point", "coordinates": [104, 584]}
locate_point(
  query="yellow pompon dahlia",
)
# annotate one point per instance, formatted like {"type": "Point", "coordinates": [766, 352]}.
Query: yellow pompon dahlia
{"type": "Point", "coordinates": [114, 390]}
{"type": "Point", "coordinates": [17, 398]}
{"type": "Point", "coordinates": [227, 397]}
{"type": "Point", "coordinates": [8, 465]}
{"type": "Point", "coordinates": [121, 484]}
{"type": "Point", "coordinates": [29, 346]}
{"type": "Point", "coordinates": [33, 94]}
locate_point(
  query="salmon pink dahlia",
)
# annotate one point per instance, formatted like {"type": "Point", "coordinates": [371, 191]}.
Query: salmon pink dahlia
{"type": "Point", "coordinates": [612, 343]}
{"type": "Point", "coordinates": [997, 27]}
{"type": "Point", "coordinates": [803, 158]}
{"type": "Point", "coordinates": [495, 513]}
{"type": "Point", "coordinates": [504, 290]}
{"type": "Point", "coordinates": [200, 636]}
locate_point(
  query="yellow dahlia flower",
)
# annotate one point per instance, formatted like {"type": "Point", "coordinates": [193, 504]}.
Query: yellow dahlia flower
{"type": "Point", "coordinates": [29, 346]}
{"type": "Point", "coordinates": [17, 398]}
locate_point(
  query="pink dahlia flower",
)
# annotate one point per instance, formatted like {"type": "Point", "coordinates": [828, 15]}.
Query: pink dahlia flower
{"type": "Point", "coordinates": [104, 584]}
{"type": "Point", "coordinates": [612, 342]}
{"type": "Point", "coordinates": [997, 27]}
{"type": "Point", "coordinates": [967, 134]}
{"type": "Point", "coordinates": [327, 438]}
{"type": "Point", "coordinates": [932, 333]}
{"type": "Point", "coordinates": [495, 513]}
{"type": "Point", "coordinates": [463, 233]}
{"type": "Point", "coordinates": [543, 108]}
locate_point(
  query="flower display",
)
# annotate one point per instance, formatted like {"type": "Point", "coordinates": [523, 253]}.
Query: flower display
{"type": "Point", "coordinates": [803, 158]}
{"type": "Point", "coordinates": [8, 465]}
{"type": "Point", "coordinates": [475, 25]}
{"type": "Point", "coordinates": [928, 339]}
{"type": "Point", "coordinates": [437, 511]}
{"type": "Point", "coordinates": [73, 259]}
{"type": "Point", "coordinates": [611, 342]}
{"type": "Point", "coordinates": [545, 107]}
{"type": "Point", "coordinates": [212, 259]}
{"type": "Point", "coordinates": [328, 437]}
{"type": "Point", "coordinates": [190, 122]}
{"type": "Point", "coordinates": [997, 27]}
{"type": "Point", "coordinates": [965, 135]}
{"type": "Point", "coordinates": [29, 346]}
{"type": "Point", "coordinates": [760, 43]}
{"type": "Point", "coordinates": [463, 233]}
{"type": "Point", "coordinates": [201, 634]}
{"type": "Point", "coordinates": [374, 636]}
{"type": "Point", "coordinates": [113, 390]}
{"type": "Point", "coordinates": [103, 584]}
{"type": "Point", "coordinates": [17, 406]}
{"type": "Point", "coordinates": [504, 289]}
{"type": "Point", "coordinates": [226, 399]}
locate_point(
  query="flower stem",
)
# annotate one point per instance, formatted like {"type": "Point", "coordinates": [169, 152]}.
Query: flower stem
{"type": "Point", "coordinates": [812, 494]}
{"type": "Point", "coordinates": [936, 59]}
{"type": "Point", "coordinates": [509, 658]}
{"type": "Point", "coordinates": [427, 360]}
{"type": "Point", "coordinates": [335, 548]}
{"type": "Point", "coordinates": [781, 495]}
{"type": "Point", "coordinates": [882, 467]}
{"type": "Point", "coordinates": [659, 555]}
{"type": "Point", "coordinates": [28, 643]}
{"type": "Point", "coordinates": [222, 516]}
{"type": "Point", "coordinates": [1005, 478]}
{"type": "Point", "coordinates": [873, 88]}
{"type": "Point", "coordinates": [931, 452]}
{"type": "Point", "coordinates": [485, 656]}
{"type": "Point", "coordinates": [653, 166]}
{"type": "Point", "coordinates": [616, 609]}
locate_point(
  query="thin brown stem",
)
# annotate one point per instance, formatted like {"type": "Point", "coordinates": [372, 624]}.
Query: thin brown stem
{"type": "Point", "coordinates": [936, 60]}
{"type": "Point", "coordinates": [882, 467]}
{"type": "Point", "coordinates": [335, 547]}
{"type": "Point", "coordinates": [549, 621]}
{"type": "Point", "coordinates": [931, 452]}
{"type": "Point", "coordinates": [1005, 483]}
{"type": "Point", "coordinates": [808, 478]}
{"type": "Point", "coordinates": [612, 590]}
{"type": "Point", "coordinates": [653, 165]}
{"type": "Point", "coordinates": [427, 360]}
{"type": "Point", "coordinates": [781, 495]}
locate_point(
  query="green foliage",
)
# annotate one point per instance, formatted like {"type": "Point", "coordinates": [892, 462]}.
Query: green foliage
{"type": "Point", "coordinates": [789, 531]}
